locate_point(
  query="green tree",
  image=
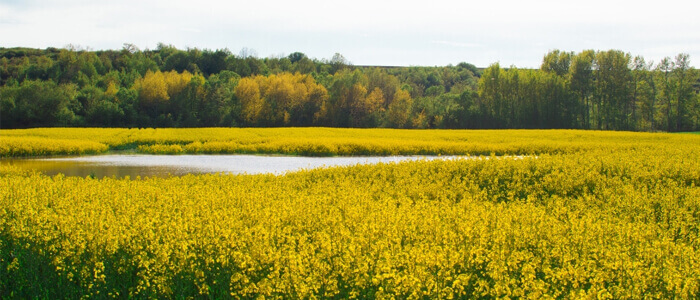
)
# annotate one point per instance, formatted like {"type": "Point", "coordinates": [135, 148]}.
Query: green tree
{"type": "Point", "coordinates": [557, 62]}
{"type": "Point", "coordinates": [212, 62]}
{"type": "Point", "coordinates": [43, 103]}
{"type": "Point", "coordinates": [346, 89]}
{"type": "Point", "coordinates": [581, 83]}
{"type": "Point", "coordinates": [220, 106]}
{"type": "Point", "coordinates": [338, 62]}
{"type": "Point", "coordinates": [491, 96]}
{"type": "Point", "coordinates": [379, 79]}
{"type": "Point", "coordinates": [663, 75]}
{"type": "Point", "coordinates": [613, 90]}
{"type": "Point", "coordinates": [469, 67]}
{"type": "Point", "coordinates": [304, 66]}
{"type": "Point", "coordinates": [177, 61]}
{"type": "Point", "coordinates": [105, 113]}
{"type": "Point", "coordinates": [296, 56]}
{"type": "Point", "coordinates": [644, 93]}
{"type": "Point", "coordinates": [684, 76]}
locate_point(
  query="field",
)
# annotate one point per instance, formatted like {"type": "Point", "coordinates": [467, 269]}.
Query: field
{"type": "Point", "coordinates": [321, 141]}
{"type": "Point", "coordinates": [611, 215]}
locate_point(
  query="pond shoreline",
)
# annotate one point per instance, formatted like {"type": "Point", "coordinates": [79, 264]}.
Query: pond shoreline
{"type": "Point", "coordinates": [152, 165]}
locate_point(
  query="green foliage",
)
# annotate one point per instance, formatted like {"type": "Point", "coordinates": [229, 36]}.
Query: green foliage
{"type": "Point", "coordinates": [588, 90]}
{"type": "Point", "coordinates": [557, 62]}
{"type": "Point", "coordinates": [40, 103]}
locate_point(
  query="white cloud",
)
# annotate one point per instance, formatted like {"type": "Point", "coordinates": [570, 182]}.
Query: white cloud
{"type": "Point", "coordinates": [367, 32]}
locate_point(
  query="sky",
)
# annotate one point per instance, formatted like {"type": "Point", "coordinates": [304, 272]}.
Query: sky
{"type": "Point", "coordinates": [365, 32]}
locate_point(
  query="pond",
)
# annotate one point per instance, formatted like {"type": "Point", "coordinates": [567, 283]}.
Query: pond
{"type": "Point", "coordinates": [121, 165]}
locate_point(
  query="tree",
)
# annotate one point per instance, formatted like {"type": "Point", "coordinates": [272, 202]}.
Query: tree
{"type": "Point", "coordinates": [684, 77]}
{"type": "Point", "coordinates": [220, 106]}
{"type": "Point", "coordinates": [613, 89]}
{"type": "Point", "coordinates": [156, 89]}
{"type": "Point", "coordinates": [387, 83]}
{"type": "Point", "coordinates": [360, 107]}
{"type": "Point", "coordinates": [490, 94]}
{"type": "Point", "coordinates": [338, 62]}
{"type": "Point", "coordinates": [8, 93]}
{"type": "Point", "coordinates": [466, 114]}
{"type": "Point", "coordinates": [296, 56]}
{"type": "Point", "coordinates": [128, 101]}
{"type": "Point", "coordinates": [248, 93]}
{"type": "Point", "coordinates": [470, 67]}
{"type": "Point", "coordinates": [663, 73]}
{"type": "Point", "coordinates": [213, 62]}
{"type": "Point", "coordinates": [67, 63]}
{"type": "Point", "coordinates": [188, 104]}
{"type": "Point", "coordinates": [153, 89]}
{"type": "Point", "coordinates": [304, 66]}
{"type": "Point", "coordinates": [177, 61]}
{"type": "Point", "coordinates": [556, 109]}
{"type": "Point", "coordinates": [280, 99]}
{"type": "Point", "coordinates": [278, 64]}
{"type": "Point", "coordinates": [399, 111]}
{"type": "Point", "coordinates": [433, 79]}
{"type": "Point", "coordinates": [694, 109]}
{"type": "Point", "coordinates": [557, 62]}
{"type": "Point", "coordinates": [512, 98]}
{"type": "Point", "coordinates": [346, 89]}
{"type": "Point", "coordinates": [581, 83]}
{"type": "Point", "coordinates": [105, 113]}
{"type": "Point", "coordinates": [192, 87]}
{"type": "Point", "coordinates": [372, 107]}
{"type": "Point", "coordinates": [644, 93]}
{"type": "Point", "coordinates": [42, 103]}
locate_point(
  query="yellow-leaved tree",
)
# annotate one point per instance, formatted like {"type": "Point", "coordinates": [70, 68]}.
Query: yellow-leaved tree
{"type": "Point", "coordinates": [158, 87]}
{"type": "Point", "coordinates": [152, 88]}
{"type": "Point", "coordinates": [176, 82]}
{"type": "Point", "coordinates": [112, 89]}
{"type": "Point", "coordinates": [399, 110]}
{"type": "Point", "coordinates": [248, 93]}
{"type": "Point", "coordinates": [280, 99]}
{"type": "Point", "coordinates": [364, 110]}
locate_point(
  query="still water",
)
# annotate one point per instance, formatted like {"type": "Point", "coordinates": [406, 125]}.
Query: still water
{"type": "Point", "coordinates": [166, 165]}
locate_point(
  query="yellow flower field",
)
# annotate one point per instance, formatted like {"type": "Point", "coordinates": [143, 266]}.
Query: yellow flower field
{"type": "Point", "coordinates": [13, 146]}
{"type": "Point", "coordinates": [324, 141]}
{"type": "Point", "coordinates": [594, 215]}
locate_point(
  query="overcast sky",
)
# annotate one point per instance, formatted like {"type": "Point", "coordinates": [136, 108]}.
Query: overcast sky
{"type": "Point", "coordinates": [402, 33]}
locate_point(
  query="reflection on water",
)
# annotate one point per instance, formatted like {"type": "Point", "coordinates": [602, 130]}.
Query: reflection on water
{"type": "Point", "coordinates": [166, 165]}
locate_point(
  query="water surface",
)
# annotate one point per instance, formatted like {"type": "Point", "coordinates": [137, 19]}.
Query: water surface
{"type": "Point", "coordinates": [176, 165]}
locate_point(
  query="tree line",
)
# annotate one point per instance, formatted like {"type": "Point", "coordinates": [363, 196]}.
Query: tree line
{"type": "Point", "coordinates": [170, 87]}
{"type": "Point", "coordinates": [606, 90]}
